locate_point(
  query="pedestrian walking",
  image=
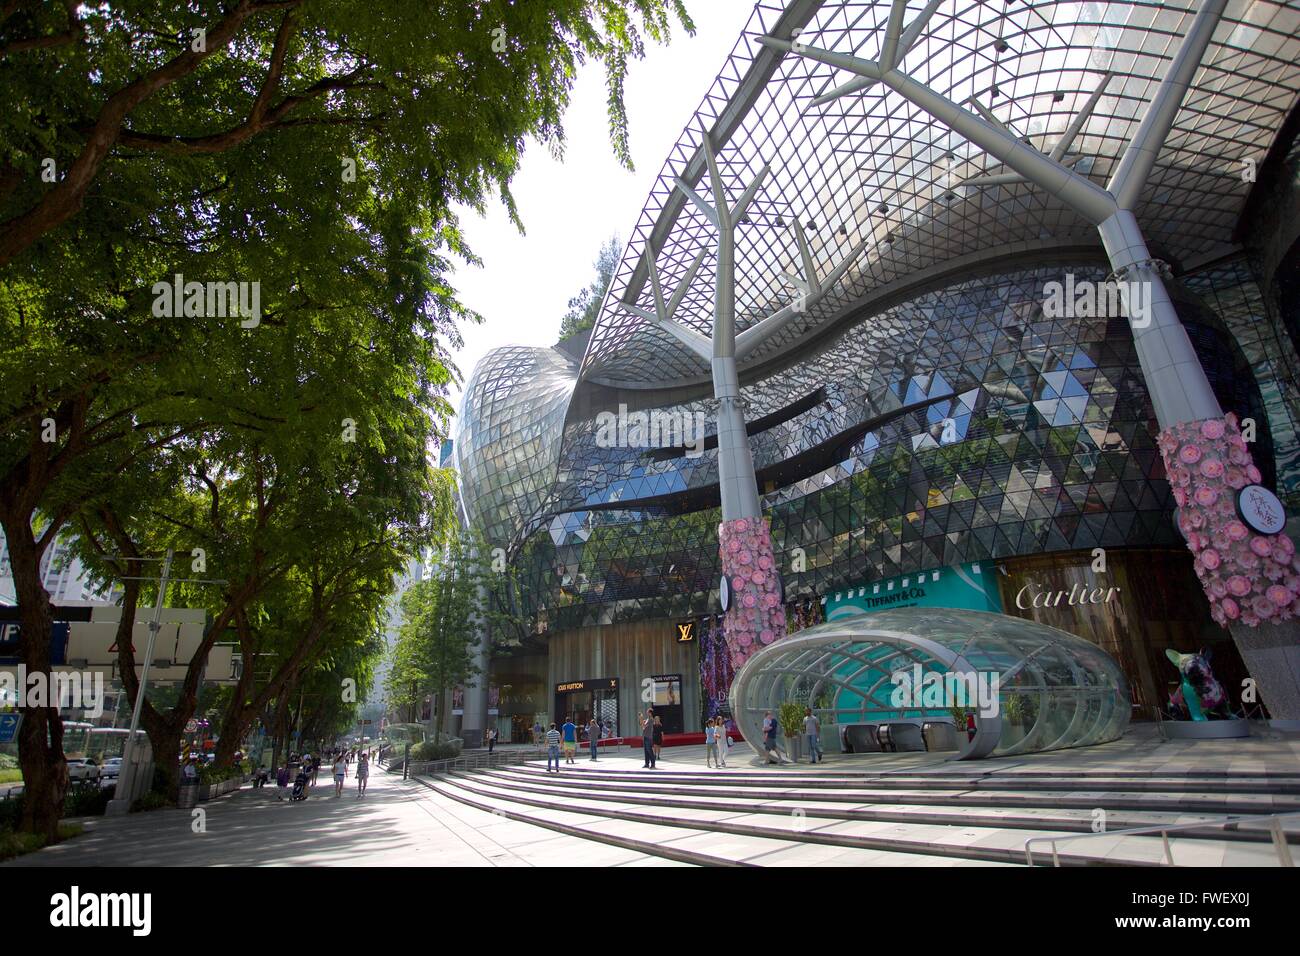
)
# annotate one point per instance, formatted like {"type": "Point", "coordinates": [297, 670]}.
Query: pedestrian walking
{"type": "Point", "coordinates": [492, 738]}
{"type": "Point", "coordinates": [769, 736]}
{"type": "Point", "coordinates": [658, 737]}
{"type": "Point", "coordinates": [812, 727]}
{"type": "Point", "coordinates": [340, 774]}
{"type": "Point", "coordinates": [724, 741]}
{"type": "Point", "coordinates": [648, 738]}
{"type": "Point", "coordinates": [570, 739]}
{"type": "Point", "coordinates": [363, 774]}
{"type": "Point", "coordinates": [553, 748]}
{"type": "Point", "coordinates": [537, 734]}
{"type": "Point", "coordinates": [711, 745]}
{"type": "Point", "coordinates": [315, 771]}
{"type": "Point", "coordinates": [593, 735]}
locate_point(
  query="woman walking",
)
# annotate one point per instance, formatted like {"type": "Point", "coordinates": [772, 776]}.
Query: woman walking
{"type": "Point", "coordinates": [658, 737]}
{"type": "Point", "coordinates": [724, 742]}
{"type": "Point", "coordinates": [363, 774]}
{"type": "Point", "coordinates": [340, 774]}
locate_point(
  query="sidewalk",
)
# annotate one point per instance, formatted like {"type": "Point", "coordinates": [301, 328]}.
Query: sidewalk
{"type": "Point", "coordinates": [397, 823]}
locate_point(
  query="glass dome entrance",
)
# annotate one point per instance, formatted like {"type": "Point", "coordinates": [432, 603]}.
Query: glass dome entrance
{"type": "Point", "coordinates": [1032, 687]}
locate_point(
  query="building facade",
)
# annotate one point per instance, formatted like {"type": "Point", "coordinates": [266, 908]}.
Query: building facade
{"type": "Point", "coordinates": [967, 395]}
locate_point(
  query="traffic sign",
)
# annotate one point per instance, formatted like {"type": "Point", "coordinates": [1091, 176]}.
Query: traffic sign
{"type": "Point", "coordinates": [191, 725]}
{"type": "Point", "coordinates": [9, 724]}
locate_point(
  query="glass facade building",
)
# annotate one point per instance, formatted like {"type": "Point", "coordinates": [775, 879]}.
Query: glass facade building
{"type": "Point", "coordinates": [935, 409]}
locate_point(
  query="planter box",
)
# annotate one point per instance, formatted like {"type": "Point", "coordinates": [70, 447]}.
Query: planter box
{"type": "Point", "coordinates": [209, 790]}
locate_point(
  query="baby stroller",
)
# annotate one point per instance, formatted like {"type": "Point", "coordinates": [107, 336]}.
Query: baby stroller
{"type": "Point", "coordinates": [300, 785]}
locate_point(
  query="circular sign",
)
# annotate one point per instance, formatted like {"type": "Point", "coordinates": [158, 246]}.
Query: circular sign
{"type": "Point", "coordinates": [724, 594]}
{"type": "Point", "coordinates": [191, 725]}
{"type": "Point", "coordinates": [1261, 509]}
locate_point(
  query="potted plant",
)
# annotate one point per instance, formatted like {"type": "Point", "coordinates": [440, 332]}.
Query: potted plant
{"type": "Point", "coordinates": [959, 715]}
{"type": "Point", "coordinates": [790, 716]}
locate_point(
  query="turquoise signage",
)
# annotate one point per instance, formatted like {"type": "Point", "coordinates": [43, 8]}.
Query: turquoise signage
{"type": "Point", "coordinates": [972, 586]}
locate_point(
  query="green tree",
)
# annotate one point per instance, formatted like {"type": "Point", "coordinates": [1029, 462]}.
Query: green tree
{"type": "Point", "coordinates": [584, 308]}
{"type": "Point", "coordinates": [442, 624]}
{"type": "Point", "coordinates": [359, 127]}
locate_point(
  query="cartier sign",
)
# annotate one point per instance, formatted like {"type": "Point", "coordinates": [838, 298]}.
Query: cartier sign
{"type": "Point", "coordinates": [1032, 596]}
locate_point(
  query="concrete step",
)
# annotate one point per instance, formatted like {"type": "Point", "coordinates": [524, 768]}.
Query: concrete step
{"type": "Point", "coordinates": [1273, 784]}
{"type": "Point", "coordinates": [780, 787]}
{"type": "Point", "coordinates": [965, 841]}
{"type": "Point", "coordinates": [685, 844]}
{"type": "Point", "coordinates": [1081, 819]}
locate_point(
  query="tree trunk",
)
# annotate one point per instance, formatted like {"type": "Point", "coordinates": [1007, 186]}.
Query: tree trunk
{"type": "Point", "coordinates": [40, 739]}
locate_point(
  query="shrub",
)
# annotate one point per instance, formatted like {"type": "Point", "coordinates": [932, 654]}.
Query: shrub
{"type": "Point", "coordinates": [790, 717]}
{"type": "Point", "coordinates": [150, 801]}
{"type": "Point", "coordinates": [434, 751]}
{"type": "Point", "coordinates": [87, 801]}
{"type": "Point", "coordinates": [11, 775]}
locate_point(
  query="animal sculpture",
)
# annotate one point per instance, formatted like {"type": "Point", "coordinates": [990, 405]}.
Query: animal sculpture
{"type": "Point", "coordinates": [1200, 696]}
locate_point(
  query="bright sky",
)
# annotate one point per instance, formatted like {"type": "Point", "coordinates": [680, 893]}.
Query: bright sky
{"type": "Point", "coordinates": [569, 208]}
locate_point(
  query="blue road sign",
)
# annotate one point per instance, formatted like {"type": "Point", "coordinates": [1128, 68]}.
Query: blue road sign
{"type": "Point", "coordinates": [9, 724]}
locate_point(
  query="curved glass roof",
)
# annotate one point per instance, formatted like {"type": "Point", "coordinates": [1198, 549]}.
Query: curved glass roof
{"type": "Point", "coordinates": [871, 165]}
{"type": "Point", "coordinates": [1033, 687]}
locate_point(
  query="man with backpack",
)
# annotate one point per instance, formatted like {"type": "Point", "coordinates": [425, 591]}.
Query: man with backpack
{"type": "Point", "coordinates": [769, 735]}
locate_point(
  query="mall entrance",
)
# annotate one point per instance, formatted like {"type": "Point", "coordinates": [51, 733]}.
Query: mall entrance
{"type": "Point", "coordinates": [581, 699]}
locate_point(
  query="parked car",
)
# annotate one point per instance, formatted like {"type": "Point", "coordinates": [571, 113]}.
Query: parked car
{"type": "Point", "coordinates": [83, 768]}
{"type": "Point", "coordinates": [112, 767]}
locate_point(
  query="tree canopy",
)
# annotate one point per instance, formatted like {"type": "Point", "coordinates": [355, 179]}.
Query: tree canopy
{"type": "Point", "coordinates": [226, 231]}
{"type": "Point", "coordinates": [584, 308]}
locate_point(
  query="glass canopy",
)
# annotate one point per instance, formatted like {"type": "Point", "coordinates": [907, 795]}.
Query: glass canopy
{"type": "Point", "coordinates": [1032, 687]}
{"type": "Point", "coordinates": [872, 165]}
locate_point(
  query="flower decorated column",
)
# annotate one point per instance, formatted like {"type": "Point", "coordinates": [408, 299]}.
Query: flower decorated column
{"type": "Point", "coordinates": [755, 616]}
{"type": "Point", "coordinates": [1252, 579]}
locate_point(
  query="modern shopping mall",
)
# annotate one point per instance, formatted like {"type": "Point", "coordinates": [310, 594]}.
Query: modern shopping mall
{"type": "Point", "coordinates": [879, 254]}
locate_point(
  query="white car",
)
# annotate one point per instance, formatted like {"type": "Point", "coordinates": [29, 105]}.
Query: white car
{"type": "Point", "coordinates": [83, 768]}
{"type": "Point", "coordinates": [112, 767]}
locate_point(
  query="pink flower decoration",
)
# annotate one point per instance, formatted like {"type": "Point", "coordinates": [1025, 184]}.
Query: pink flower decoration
{"type": "Point", "coordinates": [733, 546]}
{"type": "Point", "coordinates": [758, 578]}
{"type": "Point", "coordinates": [1205, 495]}
{"type": "Point", "coordinates": [737, 584]}
{"type": "Point", "coordinates": [1180, 498]}
{"type": "Point", "coordinates": [1230, 608]}
{"type": "Point", "coordinates": [1210, 558]}
{"type": "Point", "coordinates": [1190, 454]}
{"type": "Point", "coordinates": [765, 562]}
{"type": "Point", "coordinates": [741, 525]}
{"type": "Point", "coordinates": [1236, 478]}
{"type": "Point", "coordinates": [1238, 455]}
{"type": "Point", "coordinates": [1211, 468]}
{"type": "Point", "coordinates": [745, 558]}
{"type": "Point", "coordinates": [767, 637]}
{"type": "Point", "coordinates": [1238, 585]}
{"type": "Point", "coordinates": [1263, 607]}
{"type": "Point", "coordinates": [1253, 474]}
{"type": "Point", "coordinates": [1284, 544]}
{"type": "Point", "coordinates": [1279, 595]}
{"type": "Point", "coordinates": [1212, 429]}
{"type": "Point", "coordinates": [1261, 546]}
{"type": "Point", "coordinates": [749, 600]}
{"type": "Point", "coordinates": [744, 639]}
{"type": "Point", "coordinates": [1236, 531]}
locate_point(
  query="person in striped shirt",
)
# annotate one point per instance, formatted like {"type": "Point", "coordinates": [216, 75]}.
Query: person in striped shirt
{"type": "Point", "coordinates": [552, 748]}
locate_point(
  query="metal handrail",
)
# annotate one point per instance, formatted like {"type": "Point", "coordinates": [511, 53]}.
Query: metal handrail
{"type": "Point", "coordinates": [1274, 821]}
{"type": "Point", "coordinates": [477, 761]}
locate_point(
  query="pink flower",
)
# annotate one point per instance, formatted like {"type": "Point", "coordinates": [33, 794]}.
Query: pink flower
{"type": "Point", "coordinates": [1238, 455]}
{"type": "Point", "coordinates": [1212, 429]}
{"type": "Point", "coordinates": [733, 546]}
{"type": "Point", "coordinates": [1230, 608]}
{"type": "Point", "coordinates": [744, 640]}
{"type": "Point", "coordinates": [737, 584]}
{"type": "Point", "coordinates": [1231, 419]}
{"type": "Point", "coordinates": [740, 525]}
{"type": "Point", "coordinates": [1263, 607]}
{"type": "Point", "coordinates": [749, 600]}
{"type": "Point", "coordinates": [1217, 590]}
{"type": "Point", "coordinates": [1236, 531]}
{"type": "Point", "coordinates": [1239, 585]}
{"type": "Point", "coordinates": [1211, 468]}
{"type": "Point", "coordinates": [1253, 474]}
{"type": "Point", "coordinates": [758, 578]}
{"type": "Point", "coordinates": [1279, 595]}
{"type": "Point", "coordinates": [745, 558]}
{"type": "Point", "coordinates": [1180, 498]}
{"type": "Point", "coordinates": [1190, 454]}
{"type": "Point", "coordinates": [765, 562]}
{"type": "Point", "coordinates": [1205, 495]}
{"type": "Point", "coordinates": [767, 637]}
{"type": "Point", "coordinates": [1261, 546]}
{"type": "Point", "coordinates": [1210, 558]}
{"type": "Point", "coordinates": [1284, 544]}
